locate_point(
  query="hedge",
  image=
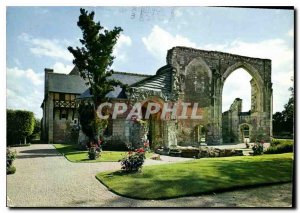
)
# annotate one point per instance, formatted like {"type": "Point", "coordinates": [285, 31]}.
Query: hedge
{"type": "Point", "coordinates": [20, 125]}
{"type": "Point", "coordinates": [279, 146]}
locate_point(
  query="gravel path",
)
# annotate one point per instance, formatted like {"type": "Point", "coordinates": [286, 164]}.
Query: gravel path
{"type": "Point", "coordinates": [44, 178]}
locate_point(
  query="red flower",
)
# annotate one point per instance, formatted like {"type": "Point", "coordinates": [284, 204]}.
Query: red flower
{"type": "Point", "coordinates": [140, 150]}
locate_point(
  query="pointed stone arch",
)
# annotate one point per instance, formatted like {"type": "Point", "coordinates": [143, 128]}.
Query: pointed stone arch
{"type": "Point", "coordinates": [219, 66]}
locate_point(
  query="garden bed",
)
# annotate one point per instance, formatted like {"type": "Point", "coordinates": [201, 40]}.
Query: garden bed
{"type": "Point", "coordinates": [72, 153]}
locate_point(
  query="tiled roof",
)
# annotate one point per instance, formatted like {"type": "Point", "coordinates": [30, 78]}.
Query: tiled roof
{"type": "Point", "coordinates": [125, 78]}
{"type": "Point", "coordinates": [159, 82]}
{"type": "Point", "coordinates": [66, 83]}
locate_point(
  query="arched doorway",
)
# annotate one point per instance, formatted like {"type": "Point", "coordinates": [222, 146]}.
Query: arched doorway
{"type": "Point", "coordinates": [245, 132]}
{"type": "Point", "coordinates": [235, 115]}
{"type": "Point", "coordinates": [237, 96]}
{"type": "Point", "coordinates": [155, 125]}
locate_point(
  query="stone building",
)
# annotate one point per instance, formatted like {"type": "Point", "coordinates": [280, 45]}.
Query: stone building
{"type": "Point", "coordinates": [236, 125]}
{"type": "Point", "coordinates": [59, 106]}
{"type": "Point", "coordinates": [194, 76]}
{"type": "Point", "coordinates": [61, 95]}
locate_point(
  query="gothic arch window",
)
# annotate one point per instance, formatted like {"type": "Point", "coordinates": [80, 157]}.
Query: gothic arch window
{"type": "Point", "coordinates": [197, 83]}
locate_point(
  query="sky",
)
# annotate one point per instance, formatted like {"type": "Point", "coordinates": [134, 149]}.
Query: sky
{"type": "Point", "coordinates": [38, 37]}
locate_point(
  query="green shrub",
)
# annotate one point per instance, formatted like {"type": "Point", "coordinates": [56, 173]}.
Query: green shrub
{"type": "Point", "coordinates": [276, 141]}
{"type": "Point", "coordinates": [258, 148]}
{"type": "Point", "coordinates": [10, 157]}
{"type": "Point", "coordinates": [10, 170]}
{"type": "Point", "coordinates": [134, 161]}
{"type": "Point", "coordinates": [93, 153]}
{"type": "Point", "coordinates": [278, 146]}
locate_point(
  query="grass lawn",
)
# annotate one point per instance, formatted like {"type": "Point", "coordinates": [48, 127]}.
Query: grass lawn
{"type": "Point", "coordinates": [73, 155]}
{"type": "Point", "coordinates": [200, 176]}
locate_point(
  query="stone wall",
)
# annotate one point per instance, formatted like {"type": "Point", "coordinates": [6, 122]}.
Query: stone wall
{"type": "Point", "coordinates": [215, 67]}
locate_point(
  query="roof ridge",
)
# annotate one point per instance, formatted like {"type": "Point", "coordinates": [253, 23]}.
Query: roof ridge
{"type": "Point", "coordinates": [131, 73]}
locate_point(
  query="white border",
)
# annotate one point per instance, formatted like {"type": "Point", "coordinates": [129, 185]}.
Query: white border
{"type": "Point", "coordinates": [4, 4]}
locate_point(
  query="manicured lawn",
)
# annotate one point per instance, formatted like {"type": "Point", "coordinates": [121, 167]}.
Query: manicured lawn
{"type": "Point", "coordinates": [73, 155]}
{"type": "Point", "coordinates": [200, 176]}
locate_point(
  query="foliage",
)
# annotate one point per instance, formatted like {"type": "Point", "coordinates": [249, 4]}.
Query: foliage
{"type": "Point", "coordinates": [134, 161]}
{"type": "Point", "coordinates": [200, 176]}
{"type": "Point", "coordinates": [157, 143]}
{"type": "Point", "coordinates": [72, 132]}
{"type": "Point", "coordinates": [280, 146]}
{"type": "Point", "coordinates": [93, 61]}
{"type": "Point", "coordinates": [36, 131]}
{"type": "Point", "coordinates": [93, 153]}
{"type": "Point", "coordinates": [10, 157]}
{"type": "Point", "coordinates": [20, 125]}
{"type": "Point", "coordinates": [283, 122]}
{"type": "Point", "coordinates": [74, 154]}
{"type": "Point", "coordinates": [10, 170]}
{"type": "Point", "coordinates": [276, 141]}
{"type": "Point", "coordinates": [258, 148]}
{"type": "Point", "coordinates": [95, 58]}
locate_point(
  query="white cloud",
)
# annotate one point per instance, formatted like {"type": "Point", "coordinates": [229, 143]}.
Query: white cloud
{"type": "Point", "coordinates": [120, 48]}
{"type": "Point", "coordinates": [291, 33]}
{"type": "Point", "coordinates": [178, 13]}
{"type": "Point", "coordinates": [25, 90]}
{"type": "Point", "coordinates": [25, 87]}
{"type": "Point", "coordinates": [53, 48]}
{"type": "Point", "coordinates": [62, 68]}
{"type": "Point", "coordinates": [278, 50]}
{"type": "Point", "coordinates": [159, 41]}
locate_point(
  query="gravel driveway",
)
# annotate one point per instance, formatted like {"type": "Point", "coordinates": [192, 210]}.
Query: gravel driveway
{"type": "Point", "coordinates": [44, 178]}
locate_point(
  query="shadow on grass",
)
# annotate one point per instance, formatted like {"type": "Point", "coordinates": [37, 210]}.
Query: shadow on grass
{"type": "Point", "coordinates": [187, 179]}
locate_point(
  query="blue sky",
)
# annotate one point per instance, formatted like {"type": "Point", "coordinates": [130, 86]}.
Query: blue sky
{"type": "Point", "coordinates": [38, 37]}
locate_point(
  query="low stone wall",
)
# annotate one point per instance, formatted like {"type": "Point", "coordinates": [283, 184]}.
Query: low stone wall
{"type": "Point", "coordinates": [210, 152]}
{"type": "Point", "coordinates": [203, 152]}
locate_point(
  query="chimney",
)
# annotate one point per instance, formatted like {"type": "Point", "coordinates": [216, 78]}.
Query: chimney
{"type": "Point", "coordinates": [47, 71]}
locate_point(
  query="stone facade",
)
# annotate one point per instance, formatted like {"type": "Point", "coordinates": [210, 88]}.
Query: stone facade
{"type": "Point", "coordinates": [236, 125]}
{"type": "Point", "coordinates": [194, 76]}
{"type": "Point", "coordinates": [59, 106]}
{"type": "Point", "coordinates": [199, 76]}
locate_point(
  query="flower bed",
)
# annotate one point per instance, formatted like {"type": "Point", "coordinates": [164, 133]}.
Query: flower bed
{"type": "Point", "coordinates": [134, 161]}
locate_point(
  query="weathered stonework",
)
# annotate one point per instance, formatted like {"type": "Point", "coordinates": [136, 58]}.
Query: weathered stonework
{"type": "Point", "coordinates": [199, 76]}
{"type": "Point", "coordinates": [190, 75]}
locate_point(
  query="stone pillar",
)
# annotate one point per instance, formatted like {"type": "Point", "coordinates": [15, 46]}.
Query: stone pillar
{"type": "Point", "coordinates": [171, 133]}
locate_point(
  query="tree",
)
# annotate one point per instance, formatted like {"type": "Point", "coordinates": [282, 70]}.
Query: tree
{"type": "Point", "coordinates": [283, 122]}
{"type": "Point", "coordinates": [36, 131]}
{"type": "Point", "coordinates": [94, 60]}
{"type": "Point", "coordinates": [278, 123]}
{"type": "Point", "coordinates": [20, 125]}
{"type": "Point", "coordinates": [288, 113]}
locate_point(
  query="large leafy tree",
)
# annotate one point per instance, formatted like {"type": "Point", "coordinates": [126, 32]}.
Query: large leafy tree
{"type": "Point", "coordinates": [94, 60]}
{"type": "Point", "coordinates": [283, 122]}
{"type": "Point", "coordinates": [20, 125]}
